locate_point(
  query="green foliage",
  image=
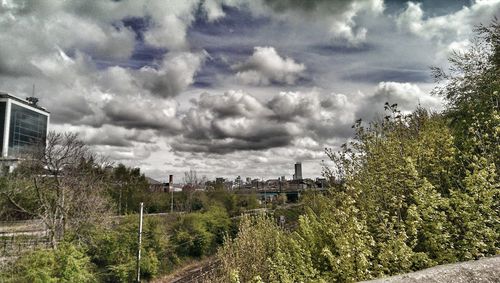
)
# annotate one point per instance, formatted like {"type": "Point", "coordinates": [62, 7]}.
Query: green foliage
{"type": "Point", "coordinates": [128, 188]}
{"type": "Point", "coordinates": [114, 250]}
{"type": "Point", "coordinates": [66, 264]}
{"type": "Point", "coordinates": [472, 91]}
{"type": "Point", "coordinates": [198, 234]}
{"type": "Point", "coordinates": [248, 255]}
{"type": "Point", "coordinates": [234, 204]}
{"type": "Point", "coordinates": [8, 208]}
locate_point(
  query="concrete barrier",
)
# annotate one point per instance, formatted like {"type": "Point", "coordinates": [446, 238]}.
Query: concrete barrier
{"type": "Point", "coordinates": [485, 270]}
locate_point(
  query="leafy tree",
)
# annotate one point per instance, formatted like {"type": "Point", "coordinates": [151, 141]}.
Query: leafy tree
{"type": "Point", "coordinates": [61, 183]}
{"type": "Point", "coordinates": [200, 233]}
{"type": "Point", "coordinates": [246, 257]}
{"type": "Point", "coordinates": [472, 90]}
{"type": "Point", "coordinates": [128, 188]}
{"type": "Point", "coordinates": [114, 249]}
{"type": "Point", "coordinates": [66, 264]}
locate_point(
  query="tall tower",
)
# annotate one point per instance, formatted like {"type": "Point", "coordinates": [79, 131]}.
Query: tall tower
{"type": "Point", "coordinates": [298, 171]}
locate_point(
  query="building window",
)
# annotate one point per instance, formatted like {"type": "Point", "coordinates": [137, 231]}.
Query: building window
{"type": "Point", "coordinates": [27, 128]}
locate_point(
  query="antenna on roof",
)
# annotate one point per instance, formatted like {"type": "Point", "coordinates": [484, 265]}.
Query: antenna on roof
{"type": "Point", "coordinates": [33, 100]}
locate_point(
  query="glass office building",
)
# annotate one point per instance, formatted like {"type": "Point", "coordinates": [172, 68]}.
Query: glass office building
{"type": "Point", "coordinates": [23, 124]}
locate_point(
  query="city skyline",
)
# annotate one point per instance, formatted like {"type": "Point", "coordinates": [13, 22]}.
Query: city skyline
{"type": "Point", "coordinates": [227, 87]}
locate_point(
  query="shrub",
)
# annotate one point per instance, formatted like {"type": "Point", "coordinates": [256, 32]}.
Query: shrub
{"type": "Point", "coordinates": [66, 264]}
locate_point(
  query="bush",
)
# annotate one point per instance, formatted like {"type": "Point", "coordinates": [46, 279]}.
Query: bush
{"type": "Point", "coordinates": [66, 264]}
{"type": "Point", "coordinates": [114, 250]}
{"type": "Point", "coordinates": [200, 233]}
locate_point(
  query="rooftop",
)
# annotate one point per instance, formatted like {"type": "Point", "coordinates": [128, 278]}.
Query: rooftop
{"type": "Point", "coordinates": [23, 101]}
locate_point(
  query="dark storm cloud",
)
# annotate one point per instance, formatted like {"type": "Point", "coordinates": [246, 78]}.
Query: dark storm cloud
{"type": "Point", "coordinates": [236, 121]}
{"type": "Point", "coordinates": [236, 145]}
{"type": "Point", "coordinates": [230, 122]}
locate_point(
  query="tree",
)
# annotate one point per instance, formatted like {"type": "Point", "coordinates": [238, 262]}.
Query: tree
{"type": "Point", "coordinates": [128, 187]}
{"type": "Point", "coordinates": [61, 183]}
{"type": "Point", "coordinates": [246, 257]}
{"type": "Point", "coordinates": [113, 249]}
{"type": "Point", "coordinates": [472, 92]}
{"type": "Point", "coordinates": [66, 264]}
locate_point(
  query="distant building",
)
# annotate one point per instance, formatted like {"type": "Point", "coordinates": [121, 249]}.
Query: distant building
{"type": "Point", "coordinates": [156, 186]}
{"type": "Point", "coordinates": [23, 125]}
{"type": "Point", "coordinates": [298, 171]}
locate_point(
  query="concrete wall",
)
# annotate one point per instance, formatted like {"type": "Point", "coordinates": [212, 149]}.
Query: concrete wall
{"type": "Point", "coordinates": [486, 270]}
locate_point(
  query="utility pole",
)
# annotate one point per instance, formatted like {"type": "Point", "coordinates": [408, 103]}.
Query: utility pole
{"type": "Point", "coordinates": [139, 249]}
{"type": "Point", "coordinates": [171, 200]}
{"type": "Point", "coordinates": [171, 188]}
{"type": "Point", "coordinates": [265, 193]}
{"type": "Point", "coordinates": [120, 198]}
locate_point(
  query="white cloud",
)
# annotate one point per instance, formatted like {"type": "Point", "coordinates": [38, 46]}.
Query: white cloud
{"type": "Point", "coordinates": [450, 31]}
{"type": "Point", "coordinates": [174, 74]}
{"type": "Point", "coordinates": [266, 66]}
{"type": "Point", "coordinates": [341, 18]}
{"type": "Point", "coordinates": [232, 103]}
{"type": "Point", "coordinates": [344, 27]}
{"type": "Point", "coordinates": [406, 95]}
{"type": "Point", "coordinates": [142, 112]}
{"type": "Point", "coordinates": [293, 105]}
{"type": "Point", "coordinates": [170, 22]}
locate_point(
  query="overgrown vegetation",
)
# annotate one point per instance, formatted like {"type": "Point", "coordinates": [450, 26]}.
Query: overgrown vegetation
{"type": "Point", "coordinates": [409, 192]}
{"type": "Point", "coordinates": [75, 194]}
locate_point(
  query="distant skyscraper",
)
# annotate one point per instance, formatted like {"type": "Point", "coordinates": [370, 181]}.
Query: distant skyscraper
{"type": "Point", "coordinates": [298, 171]}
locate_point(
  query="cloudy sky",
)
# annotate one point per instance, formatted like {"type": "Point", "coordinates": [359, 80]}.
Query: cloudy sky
{"type": "Point", "coordinates": [227, 87]}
